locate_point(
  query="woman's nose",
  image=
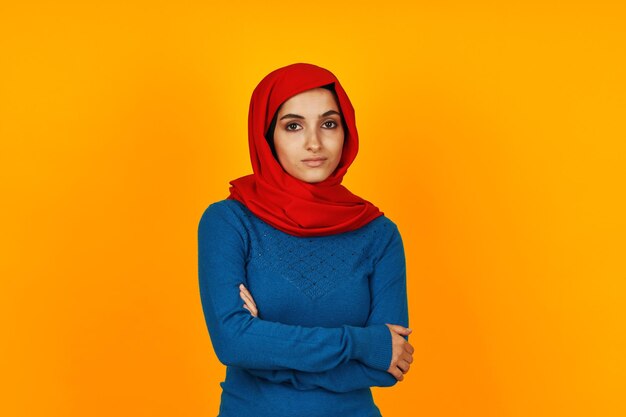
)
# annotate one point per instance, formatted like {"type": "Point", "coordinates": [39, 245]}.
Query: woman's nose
{"type": "Point", "coordinates": [313, 141]}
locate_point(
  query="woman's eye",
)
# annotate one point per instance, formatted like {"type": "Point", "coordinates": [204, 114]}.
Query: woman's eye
{"type": "Point", "coordinates": [330, 124]}
{"type": "Point", "coordinates": [292, 126]}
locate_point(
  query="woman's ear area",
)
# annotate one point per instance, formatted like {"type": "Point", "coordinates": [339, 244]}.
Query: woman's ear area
{"type": "Point", "coordinates": [269, 135]}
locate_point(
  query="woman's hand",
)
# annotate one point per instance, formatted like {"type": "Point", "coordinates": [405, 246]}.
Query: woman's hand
{"type": "Point", "coordinates": [402, 355]}
{"type": "Point", "coordinates": [249, 303]}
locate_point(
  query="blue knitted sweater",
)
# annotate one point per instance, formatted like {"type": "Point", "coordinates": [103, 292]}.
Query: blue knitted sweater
{"type": "Point", "coordinates": [320, 340]}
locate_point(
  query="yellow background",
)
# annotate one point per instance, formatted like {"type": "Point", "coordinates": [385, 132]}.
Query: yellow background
{"type": "Point", "coordinates": [492, 134]}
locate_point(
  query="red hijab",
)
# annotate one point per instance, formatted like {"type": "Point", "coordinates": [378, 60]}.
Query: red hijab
{"type": "Point", "coordinates": [285, 202]}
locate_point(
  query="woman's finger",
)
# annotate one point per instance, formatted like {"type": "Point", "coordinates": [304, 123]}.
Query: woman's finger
{"type": "Point", "coordinates": [250, 311]}
{"type": "Point", "coordinates": [404, 366]}
{"type": "Point", "coordinates": [251, 308]}
{"type": "Point", "coordinates": [254, 313]}
{"type": "Point", "coordinates": [249, 305]}
{"type": "Point", "coordinates": [247, 299]}
{"type": "Point", "coordinates": [397, 373]}
{"type": "Point", "coordinates": [247, 293]}
{"type": "Point", "coordinates": [404, 331]}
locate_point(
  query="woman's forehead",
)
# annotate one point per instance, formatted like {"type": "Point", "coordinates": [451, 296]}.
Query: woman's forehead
{"type": "Point", "coordinates": [310, 101]}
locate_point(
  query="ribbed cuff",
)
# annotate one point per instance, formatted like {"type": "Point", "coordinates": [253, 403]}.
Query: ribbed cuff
{"type": "Point", "coordinates": [372, 346]}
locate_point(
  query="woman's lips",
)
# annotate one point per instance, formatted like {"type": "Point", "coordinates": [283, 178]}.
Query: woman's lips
{"type": "Point", "coordinates": [314, 162]}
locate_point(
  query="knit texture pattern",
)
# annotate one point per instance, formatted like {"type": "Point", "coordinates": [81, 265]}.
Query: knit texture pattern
{"type": "Point", "coordinates": [314, 265]}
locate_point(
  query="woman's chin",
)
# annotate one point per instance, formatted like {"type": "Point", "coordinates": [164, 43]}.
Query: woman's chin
{"type": "Point", "coordinates": [313, 178]}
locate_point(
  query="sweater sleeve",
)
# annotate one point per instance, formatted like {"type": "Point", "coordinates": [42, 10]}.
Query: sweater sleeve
{"type": "Point", "coordinates": [240, 339]}
{"type": "Point", "coordinates": [389, 305]}
{"type": "Point", "coordinates": [346, 377]}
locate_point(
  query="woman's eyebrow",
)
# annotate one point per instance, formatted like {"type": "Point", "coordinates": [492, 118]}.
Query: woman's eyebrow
{"type": "Point", "coordinates": [291, 116]}
{"type": "Point", "coordinates": [297, 116]}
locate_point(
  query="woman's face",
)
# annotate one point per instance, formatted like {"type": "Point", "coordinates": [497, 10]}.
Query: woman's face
{"type": "Point", "coordinates": [309, 135]}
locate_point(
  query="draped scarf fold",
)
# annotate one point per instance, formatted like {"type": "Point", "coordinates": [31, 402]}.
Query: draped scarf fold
{"type": "Point", "coordinates": [285, 202]}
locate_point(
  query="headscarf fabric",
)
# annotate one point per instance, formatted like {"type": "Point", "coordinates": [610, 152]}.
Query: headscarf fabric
{"type": "Point", "coordinates": [285, 202]}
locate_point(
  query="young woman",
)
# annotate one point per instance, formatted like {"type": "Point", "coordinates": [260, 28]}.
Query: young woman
{"type": "Point", "coordinates": [303, 284]}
